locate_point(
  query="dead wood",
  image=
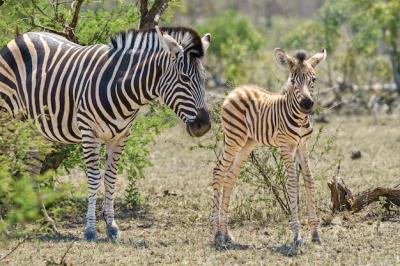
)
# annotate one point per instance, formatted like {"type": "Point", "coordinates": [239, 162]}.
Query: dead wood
{"type": "Point", "coordinates": [364, 198]}
{"type": "Point", "coordinates": [342, 197]}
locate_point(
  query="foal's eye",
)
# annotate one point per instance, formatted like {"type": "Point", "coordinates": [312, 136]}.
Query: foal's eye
{"type": "Point", "coordinates": [292, 80]}
{"type": "Point", "coordinates": [185, 78]}
{"type": "Point", "coordinates": [313, 79]}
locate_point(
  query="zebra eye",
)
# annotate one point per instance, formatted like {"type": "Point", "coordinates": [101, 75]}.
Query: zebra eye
{"type": "Point", "coordinates": [292, 80]}
{"type": "Point", "coordinates": [313, 79]}
{"type": "Point", "coordinates": [185, 78]}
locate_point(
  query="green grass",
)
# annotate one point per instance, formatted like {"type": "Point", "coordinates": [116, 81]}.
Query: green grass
{"type": "Point", "coordinates": [175, 227]}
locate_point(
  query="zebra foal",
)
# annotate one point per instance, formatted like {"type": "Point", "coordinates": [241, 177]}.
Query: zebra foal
{"type": "Point", "coordinates": [251, 117]}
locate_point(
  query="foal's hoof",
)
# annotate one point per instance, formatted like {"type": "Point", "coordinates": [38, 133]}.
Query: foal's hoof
{"type": "Point", "coordinates": [90, 234]}
{"type": "Point", "coordinates": [229, 240]}
{"type": "Point", "coordinates": [298, 243]}
{"type": "Point", "coordinates": [219, 240]}
{"type": "Point", "coordinates": [315, 238]}
{"type": "Point", "coordinates": [113, 233]}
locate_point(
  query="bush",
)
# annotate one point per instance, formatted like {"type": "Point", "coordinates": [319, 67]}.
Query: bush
{"type": "Point", "coordinates": [21, 194]}
{"type": "Point", "coordinates": [236, 43]}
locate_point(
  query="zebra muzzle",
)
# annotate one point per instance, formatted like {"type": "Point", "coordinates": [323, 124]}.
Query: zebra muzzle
{"type": "Point", "coordinates": [200, 125]}
{"type": "Point", "coordinates": [306, 105]}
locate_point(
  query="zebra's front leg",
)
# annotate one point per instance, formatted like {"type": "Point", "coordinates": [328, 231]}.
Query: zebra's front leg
{"type": "Point", "coordinates": [313, 221]}
{"type": "Point", "coordinates": [114, 151]}
{"type": "Point", "coordinates": [91, 155]}
{"type": "Point", "coordinates": [293, 191]}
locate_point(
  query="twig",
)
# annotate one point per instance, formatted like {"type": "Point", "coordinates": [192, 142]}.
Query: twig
{"type": "Point", "coordinates": [35, 5]}
{"type": "Point", "coordinates": [33, 23]}
{"type": "Point", "coordinates": [13, 249]}
{"type": "Point", "coordinates": [62, 261]}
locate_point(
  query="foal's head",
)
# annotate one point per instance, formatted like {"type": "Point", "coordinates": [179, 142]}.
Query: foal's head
{"type": "Point", "coordinates": [302, 75]}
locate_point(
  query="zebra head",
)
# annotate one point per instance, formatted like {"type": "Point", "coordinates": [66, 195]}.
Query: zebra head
{"type": "Point", "coordinates": [302, 75]}
{"type": "Point", "coordinates": [182, 84]}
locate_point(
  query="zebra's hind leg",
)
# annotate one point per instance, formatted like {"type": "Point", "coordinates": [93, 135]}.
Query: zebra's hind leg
{"type": "Point", "coordinates": [114, 150]}
{"type": "Point", "coordinates": [219, 173]}
{"type": "Point", "coordinates": [229, 183]}
{"type": "Point", "coordinates": [91, 154]}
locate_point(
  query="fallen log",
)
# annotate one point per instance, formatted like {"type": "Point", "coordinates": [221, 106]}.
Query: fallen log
{"type": "Point", "coordinates": [364, 198]}
{"type": "Point", "coordinates": [342, 197]}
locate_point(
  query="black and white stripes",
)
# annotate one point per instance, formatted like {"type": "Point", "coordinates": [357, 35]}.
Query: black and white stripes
{"type": "Point", "coordinates": [92, 94]}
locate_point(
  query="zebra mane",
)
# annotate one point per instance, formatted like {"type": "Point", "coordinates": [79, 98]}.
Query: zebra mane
{"type": "Point", "coordinates": [187, 38]}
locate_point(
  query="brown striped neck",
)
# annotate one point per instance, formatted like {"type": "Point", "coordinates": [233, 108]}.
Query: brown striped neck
{"type": "Point", "coordinates": [294, 107]}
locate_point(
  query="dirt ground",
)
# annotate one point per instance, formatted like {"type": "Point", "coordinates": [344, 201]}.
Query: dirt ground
{"type": "Point", "coordinates": [174, 227]}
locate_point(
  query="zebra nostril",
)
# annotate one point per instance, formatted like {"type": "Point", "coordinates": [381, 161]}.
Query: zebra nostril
{"type": "Point", "coordinates": [306, 103]}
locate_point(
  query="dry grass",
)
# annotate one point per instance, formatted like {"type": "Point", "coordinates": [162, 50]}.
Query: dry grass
{"type": "Point", "coordinates": [174, 228]}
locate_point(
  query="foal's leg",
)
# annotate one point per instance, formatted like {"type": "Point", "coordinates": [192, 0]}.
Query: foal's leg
{"type": "Point", "coordinates": [309, 184]}
{"type": "Point", "coordinates": [229, 182]}
{"type": "Point", "coordinates": [288, 153]}
{"type": "Point", "coordinates": [114, 151]}
{"type": "Point", "coordinates": [231, 149]}
{"type": "Point", "coordinates": [91, 154]}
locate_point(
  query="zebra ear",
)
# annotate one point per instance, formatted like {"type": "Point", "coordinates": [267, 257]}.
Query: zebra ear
{"type": "Point", "coordinates": [206, 41]}
{"type": "Point", "coordinates": [317, 58]}
{"type": "Point", "coordinates": [283, 60]}
{"type": "Point", "coordinates": [168, 43]}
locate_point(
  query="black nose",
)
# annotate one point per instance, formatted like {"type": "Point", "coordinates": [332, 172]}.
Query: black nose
{"type": "Point", "coordinates": [306, 103]}
{"type": "Point", "coordinates": [201, 124]}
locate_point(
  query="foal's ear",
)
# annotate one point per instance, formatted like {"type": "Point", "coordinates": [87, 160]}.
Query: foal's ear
{"type": "Point", "coordinates": [317, 58]}
{"type": "Point", "coordinates": [284, 60]}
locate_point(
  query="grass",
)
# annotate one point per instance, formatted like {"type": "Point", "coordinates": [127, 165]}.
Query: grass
{"type": "Point", "coordinates": [174, 227]}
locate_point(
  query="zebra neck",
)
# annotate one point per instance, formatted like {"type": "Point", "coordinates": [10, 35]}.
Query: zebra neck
{"type": "Point", "coordinates": [139, 86]}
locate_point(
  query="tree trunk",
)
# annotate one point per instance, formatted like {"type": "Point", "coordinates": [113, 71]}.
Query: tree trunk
{"type": "Point", "coordinates": [395, 59]}
{"type": "Point", "coordinates": [147, 16]}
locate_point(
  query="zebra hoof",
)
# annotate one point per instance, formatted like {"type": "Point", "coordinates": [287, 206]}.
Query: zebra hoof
{"type": "Point", "coordinates": [113, 233]}
{"type": "Point", "coordinates": [229, 239]}
{"type": "Point", "coordinates": [298, 243]}
{"type": "Point", "coordinates": [315, 238]}
{"type": "Point", "coordinates": [219, 241]}
{"type": "Point", "coordinates": [90, 234]}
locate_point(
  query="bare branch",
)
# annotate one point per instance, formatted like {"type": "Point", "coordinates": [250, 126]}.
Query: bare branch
{"type": "Point", "coordinates": [35, 5]}
{"type": "Point", "coordinates": [33, 23]}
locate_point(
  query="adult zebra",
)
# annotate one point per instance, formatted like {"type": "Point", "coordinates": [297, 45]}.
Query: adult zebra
{"type": "Point", "coordinates": [92, 94]}
{"type": "Point", "coordinates": [250, 117]}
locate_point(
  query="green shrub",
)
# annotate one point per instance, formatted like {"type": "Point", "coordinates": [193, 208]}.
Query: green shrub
{"type": "Point", "coordinates": [236, 43]}
{"type": "Point", "coordinates": [22, 194]}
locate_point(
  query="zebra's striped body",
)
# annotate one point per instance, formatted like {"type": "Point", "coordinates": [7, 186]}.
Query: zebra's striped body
{"type": "Point", "coordinates": [92, 94]}
{"type": "Point", "coordinates": [251, 116]}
